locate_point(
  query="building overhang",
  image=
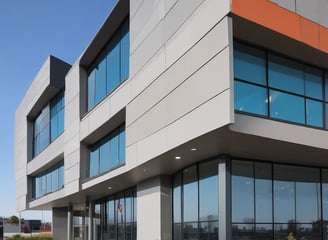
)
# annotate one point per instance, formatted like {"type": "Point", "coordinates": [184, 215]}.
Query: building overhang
{"type": "Point", "coordinates": [119, 13]}
{"type": "Point", "coordinates": [249, 137]}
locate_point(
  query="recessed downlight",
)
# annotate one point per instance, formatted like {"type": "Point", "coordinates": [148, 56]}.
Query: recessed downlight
{"type": "Point", "coordinates": [177, 157]}
{"type": "Point", "coordinates": [193, 149]}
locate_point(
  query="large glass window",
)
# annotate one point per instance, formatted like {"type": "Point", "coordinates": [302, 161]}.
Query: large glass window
{"type": "Point", "coordinates": [41, 131]}
{"type": "Point", "coordinates": [116, 217]}
{"type": "Point", "coordinates": [49, 181]}
{"type": "Point", "coordinates": [195, 202]}
{"type": "Point", "coordinates": [274, 86]}
{"type": "Point", "coordinates": [273, 201]}
{"type": "Point", "coordinates": [253, 103]}
{"type": "Point", "coordinates": [111, 67]}
{"type": "Point", "coordinates": [49, 124]}
{"type": "Point", "coordinates": [109, 153]}
{"type": "Point", "coordinates": [57, 116]}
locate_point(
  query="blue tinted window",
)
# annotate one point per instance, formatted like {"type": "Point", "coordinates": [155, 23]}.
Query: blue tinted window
{"type": "Point", "coordinates": [41, 131]}
{"type": "Point", "coordinates": [54, 127]}
{"type": "Point", "coordinates": [326, 106]}
{"type": "Point", "coordinates": [292, 193]}
{"type": "Point", "coordinates": [49, 181]}
{"type": "Point", "coordinates": [287, 107]}
{"type": "Point", "coordinates": [91, 89]}
{"type": "Point", "coordinates": [49, 184]}
{"type": "Point", "coordinates": [195, 202]}
{"type": "Point", "coordinates": [122, 147]}
{"type": "Point", "coordinates": [115, 218]}
{"type": "Point", "coordinates": [249, 64]}
{"type": "Point", "coordinates": [44, 138]}
{"type": "Point", "coordinates": [326, 86]}
{"type": "Point", "coordinates": [251, 98]}
{"type": "Point", "coordinates": [61, 176]}
{"type": "Point", "coordinates": [313, 83]}
{"type": "Point", "coordinates": [54, 180]}
{"type": "Point", "coordinates": [104, 157]}
{"type": "Point", "coordinates": [263, 192]}
{"type": "Point", "coordinates": [100, 92]}
{"type": "Point", "coordinates": [111, 66]}
{"type": "Point", "coordinates": [286, 74]}
{"type": "Point", "coordinates": [314, 113]}
{"type": "Point", "coordinates": [295, 90]}
{"type": "Point", "coordinates": [108, 153]}
{"type": "Point", "coordinates": [190, 191]}
{"type": "Point", "coordinates": [125, 51]}
{"type": "Point", "coordinates": [94, 162]}
{"type": "Point", "coordinates": [208, 193]}
{"type": "Point", "coordinates": [242, 188]}
{"type": "Point", "coordinates": [177, 198]}
{"type": "Point", "coordinates": [49, 124]}
{"type": "Point", "coordinates": [60, 122]}
{"type": "Point", "coordinates": [114, 150]}
{"type": "Point", "coordinates": [57, 116]}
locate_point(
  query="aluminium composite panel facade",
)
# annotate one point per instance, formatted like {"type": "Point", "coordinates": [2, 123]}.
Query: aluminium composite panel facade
{"type": "Point", "coordinates": [179, 95]}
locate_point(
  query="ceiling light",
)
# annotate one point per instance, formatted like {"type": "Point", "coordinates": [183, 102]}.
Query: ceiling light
{"type": "Point", "coordinates": [193, 149]}
{"type": "Point", "coordinates": [177, 157]}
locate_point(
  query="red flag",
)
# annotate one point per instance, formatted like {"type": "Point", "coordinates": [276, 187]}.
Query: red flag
{"type": "Point", "coordinates": [120, 208]}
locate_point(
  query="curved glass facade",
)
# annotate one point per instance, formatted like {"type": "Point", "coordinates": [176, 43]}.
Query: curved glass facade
{"type": "Point", "coordinates": [269, 201]}
{"type": "Point", "coordinates": [115, 217]}
{"type": "Point", "coordinates": [195, 202]}
{"type": "Point", "coordinates": [280, 88]}
{"type": "Point", "coordinates": [275, 201]}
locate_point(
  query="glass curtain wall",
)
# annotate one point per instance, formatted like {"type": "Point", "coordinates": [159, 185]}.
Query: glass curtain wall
{"type": "Point", "coordinates": [109, 153]}
{"type": "Point", "coordinates": [277, 87]}
{"type": "Point", "coordinates": [274, 201]}
{"type": "Point", "coordinates": [195, 202]}
{"type": "Point", "coordinates": [48, 181]}
{"type": "Point", "coordinates": [115, 218]}
{"type": "Point", "coordinates": [49, 124]}
{"type": "Point", "coordinates": [111, 67]}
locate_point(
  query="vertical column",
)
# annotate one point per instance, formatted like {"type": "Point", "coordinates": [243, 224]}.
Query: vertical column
{"type": "Point", "coordinates": [154, 207]}
{"type": "Point", "coordinates": [225, 198]}
{"type": "Point", "coordinates": [69, 223]}
{"type": "Point", "coordinates": [90, 219]}
{"type": "Point", "coordinates": [59, 223]}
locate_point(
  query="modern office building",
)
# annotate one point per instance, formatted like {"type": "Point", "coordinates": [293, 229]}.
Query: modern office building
{"type": "Point", "coordinates": [184, 119]}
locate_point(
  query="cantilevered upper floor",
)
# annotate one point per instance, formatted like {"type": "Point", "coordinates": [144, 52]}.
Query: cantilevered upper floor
{"type": "Point", "coordinates": [162, 78]}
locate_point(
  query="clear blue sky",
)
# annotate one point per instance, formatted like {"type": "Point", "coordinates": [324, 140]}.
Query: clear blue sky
{"type": "Point", "coordinates": [29, 32]}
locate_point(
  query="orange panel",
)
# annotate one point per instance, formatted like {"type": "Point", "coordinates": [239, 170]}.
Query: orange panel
{"type": "Point", "coordinates": [279, 19]}
{"type": "Point", "coordinates": [323, 39]}
{"type": "Point", "coordinates": [310, 33]}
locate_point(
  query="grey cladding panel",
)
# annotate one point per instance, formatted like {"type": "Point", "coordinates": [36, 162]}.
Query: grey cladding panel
{"type": "Point", "coordinates": [288, 4]}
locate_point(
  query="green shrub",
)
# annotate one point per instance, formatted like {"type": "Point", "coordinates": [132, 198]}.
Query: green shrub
{"type": "Point", "coordinates": [39, 237]}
